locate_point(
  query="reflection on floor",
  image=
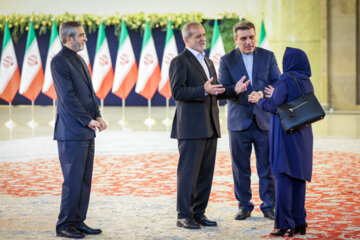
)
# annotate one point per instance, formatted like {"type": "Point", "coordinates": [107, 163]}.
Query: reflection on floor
{"type": "Point", "coordinates": [342, 125]}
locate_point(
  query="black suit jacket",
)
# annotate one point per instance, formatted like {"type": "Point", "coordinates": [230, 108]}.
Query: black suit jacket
{"type": "Point", "coordinates": [197, 114]}
{"type": "Point", "coordinates": [76, 102]}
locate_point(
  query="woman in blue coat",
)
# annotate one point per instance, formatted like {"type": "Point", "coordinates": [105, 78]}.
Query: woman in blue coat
{"type": "Point", "coordinates": [291, 155]}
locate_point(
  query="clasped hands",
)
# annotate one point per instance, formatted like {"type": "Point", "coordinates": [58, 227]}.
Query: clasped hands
{"type": "Point", "coordinates": [254, 96]}
{"type": "Point", "coordinates": [99, 123]}
{"type": "Point", "coordinates": [219, 89]}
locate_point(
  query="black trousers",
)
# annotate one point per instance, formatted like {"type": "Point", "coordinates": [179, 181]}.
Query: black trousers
{"type": "Point", "coordinates": [76, 160]}
{"type": "Point", "coordinates": [194, 175]}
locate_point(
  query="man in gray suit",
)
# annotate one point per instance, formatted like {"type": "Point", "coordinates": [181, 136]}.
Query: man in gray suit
{"type": "Point", "coordinates": [196, 125]}
{"type": "Point", "coordinates": [77, 119]}
{"type": "Point", "coordinates": [247, 123]}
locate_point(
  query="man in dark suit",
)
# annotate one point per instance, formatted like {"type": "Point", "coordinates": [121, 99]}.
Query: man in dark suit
{"type": "Point", "coordinates": [196, 125]}
{"type": "Point", "coordinates": [77, 119]}
{"type": "Point", "coordinates": [247, 123]}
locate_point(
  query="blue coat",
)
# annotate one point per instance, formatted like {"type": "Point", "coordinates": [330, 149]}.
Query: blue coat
{"type": "Point", "coordinates": [76, 102]}
{"type": "Point", "coordinates": [265, 72]}
{"type": "Point", "coordinates": [290, 154]}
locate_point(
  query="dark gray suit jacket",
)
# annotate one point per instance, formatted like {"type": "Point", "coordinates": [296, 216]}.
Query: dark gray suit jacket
{"type": "Point", "coordinates": [76, 102]}
{"type": "Point", "coordinates": [265, 72]}
{"type": "Point", "coordinates": [197, 114]}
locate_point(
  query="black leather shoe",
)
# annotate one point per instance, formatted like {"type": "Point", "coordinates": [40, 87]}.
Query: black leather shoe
{"type": "Point", "coordinates": [242, 214]}
{"type": "Point", "coordinates": [70, 232]}
{"type": "Point", "coordinates": [204, 221]}
{"type": "Point", "coordinates": [187, 223]}
{"type": "Point", "coordinates": [83, 228]}
{"type": "Point", "coordinates": [270, 214]}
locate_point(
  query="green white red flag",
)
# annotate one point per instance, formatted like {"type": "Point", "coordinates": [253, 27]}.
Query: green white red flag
{"type": "Point", "coordinates": [54, 47]}
{"type": "Point", "coordinates": [9, 69]}
{"type": "Point", "coordinates": [217, 46]}
{"type": "Point", "coordinates": [103, 74]}
{"type": "Point", "coordinates": [149, 69]}
{"type": "Point", "coordinates": [170, 51]}
{"type": "Point", "coordinates": [32, 75]}
{"type": "Point", "coordinates": [126, 70]}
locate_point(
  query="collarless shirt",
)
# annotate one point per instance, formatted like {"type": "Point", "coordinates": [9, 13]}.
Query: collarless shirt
{"type": "Point", "coordinates": [248, 61]}
{"type": "Point", "coordinates": [201, 58]}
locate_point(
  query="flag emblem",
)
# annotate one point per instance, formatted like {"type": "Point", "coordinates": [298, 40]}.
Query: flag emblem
{"type": "Point", "coordinates": [32, 60]}
{"type": "Point", "coordinates": [8, 61]}
{"type": "Point", "coordinates": [124, 59]}
{"type": "Point", "coordinates": [104, 60]}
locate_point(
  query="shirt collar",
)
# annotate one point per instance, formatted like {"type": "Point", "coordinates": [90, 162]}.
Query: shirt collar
{"type": "Point", "coordinates": [199, 56]}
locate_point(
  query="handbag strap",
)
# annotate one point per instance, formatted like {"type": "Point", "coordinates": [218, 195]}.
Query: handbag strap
{"type": "Point", "coordinates": [297, 83]}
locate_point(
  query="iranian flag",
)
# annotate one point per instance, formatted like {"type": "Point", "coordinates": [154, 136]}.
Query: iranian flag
{"type": "Point", "coordinates": [85, 55]}
{"type": "Point", "coordinates": [32, 75]}
{"type": "Point", "coordinates": [103, 74]}
{"type": "Point", "coordinates": [170, 52]}
{"type": "Point", "coordinates": [54, 47]}
{"type": "Point", "coordinates": [126, 70]}
{"type": "Point", "coordinates": [217, 47]}
{"type": "Point", "coordinates": [9, 69]}
{"type": "Point", "coordinates": [263, 42]}
{"type": "Point", "coordinates": [149, 70]}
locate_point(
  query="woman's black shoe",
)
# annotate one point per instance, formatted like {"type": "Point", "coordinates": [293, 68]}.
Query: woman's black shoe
{"type": "Point", "coordinates": [301, 229]}
{"type": "Point", "coordinates": [281, 232]}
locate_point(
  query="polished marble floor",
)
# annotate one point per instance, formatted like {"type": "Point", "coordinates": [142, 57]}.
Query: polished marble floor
{"type": "Point", "coordinates": [335, 124]}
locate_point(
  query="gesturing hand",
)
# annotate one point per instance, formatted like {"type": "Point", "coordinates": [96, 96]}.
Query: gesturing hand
{"type": "Point", "coordinates": [213, 89]}
{"type": "Point", "coordinates": [241, 85]}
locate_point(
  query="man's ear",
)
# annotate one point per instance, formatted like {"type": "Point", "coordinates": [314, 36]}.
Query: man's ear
{"type": "Point", "coordinates": [69, 39]}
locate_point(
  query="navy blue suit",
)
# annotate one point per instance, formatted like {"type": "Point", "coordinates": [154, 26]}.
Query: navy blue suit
{"type": "Point", "coordinates": [248, 124]}
{"type": "Point", "coordinates": [76, 107]}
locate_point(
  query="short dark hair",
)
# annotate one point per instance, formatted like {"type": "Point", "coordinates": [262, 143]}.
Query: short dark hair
{"type": "Point", "coordinates": [68, 29]}
{"type": "Point", "coordinates": [243, 25]}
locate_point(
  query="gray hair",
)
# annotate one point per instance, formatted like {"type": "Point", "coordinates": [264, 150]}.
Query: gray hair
{"type": "Point", "coordinates": [185, 32]}
{"type": "Point", "coordinates": [68, 29]}
{"type": "Point", "coordinates": [243, 25]}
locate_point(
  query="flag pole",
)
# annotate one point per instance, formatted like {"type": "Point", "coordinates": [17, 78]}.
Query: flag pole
{"type": "Point", "coordinates": [32, 123]}
{"type": "Point", "coordinates": [10, 124]}
{"type": "Point", "coordinates": [123, 122]}
{"type": "Point", "coordinates": [167, 121]}
{"type": "Point", "coordinates": [149, 121]}
{"type": "Point", "coordinates": [102, 106]}
{"type": "Point", "coordinates": [52, 122]}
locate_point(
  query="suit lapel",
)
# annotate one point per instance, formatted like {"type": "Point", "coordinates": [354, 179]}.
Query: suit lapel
{"type": "Point", "coordinates": [210, 67]}
{"type": "Point", "coordinates": [256, 63]}
{"type": "Point", "coordinates": [239, 64]}
{"type": "Point", "coordinates": [196, 63]}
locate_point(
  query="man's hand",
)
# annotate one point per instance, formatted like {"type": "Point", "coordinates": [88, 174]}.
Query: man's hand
{"type": "Point", "coordinates": [269, 91]}
{"type": "Point", "coordinates": [93, 124]}
{"type": "Point", "coordinates": [213, 89]}
{"type": "Point", "coordinates": [241, 85]}
{"type": "Point", "coordinates": [102, 122]}
{"type": "Point", "coordinates": [255, 96]}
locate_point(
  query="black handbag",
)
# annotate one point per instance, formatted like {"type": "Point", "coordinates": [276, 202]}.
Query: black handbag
{"type": "Point", "coordinates": [300, 112]}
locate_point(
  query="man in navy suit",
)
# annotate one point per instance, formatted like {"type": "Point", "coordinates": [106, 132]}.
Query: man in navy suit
{"type": "Point", "coordinates": [77, 119]}
{"type": "Point", "coordinates": [196, 125]}
{"type": "Point", "coordinates": [247, 124]}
